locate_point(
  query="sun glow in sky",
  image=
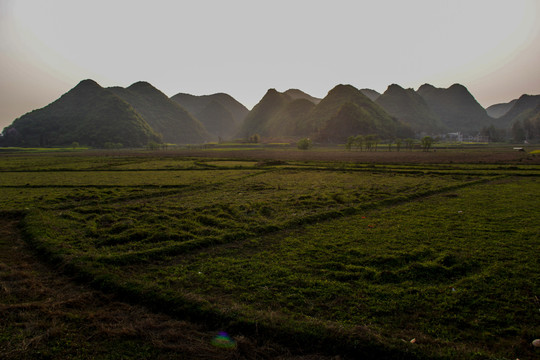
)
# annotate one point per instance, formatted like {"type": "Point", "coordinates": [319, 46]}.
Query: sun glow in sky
{"type": "Point", "coordinates": [245, 47]}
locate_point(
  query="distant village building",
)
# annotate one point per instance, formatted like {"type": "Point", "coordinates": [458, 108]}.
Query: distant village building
{"type": "Point", "coordinates": [457, 136]}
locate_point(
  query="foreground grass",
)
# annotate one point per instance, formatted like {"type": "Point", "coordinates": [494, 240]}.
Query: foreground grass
{"type": "Point", "coordinates": [46, 315]}
{"type": "Point", "coordinates": [454, 273]}
{"type": "Point", "coordinates": [357, 257]}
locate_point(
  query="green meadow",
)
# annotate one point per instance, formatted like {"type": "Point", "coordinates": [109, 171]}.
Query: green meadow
{"type": "Point", "coordinates": [361, 259]}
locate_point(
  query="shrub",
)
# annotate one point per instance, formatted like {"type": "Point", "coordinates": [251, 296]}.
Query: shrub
{"type": "Point", "coordinates": [427, 141]}
{"type": "Point", "coordinates": [255, 139]}
{"type": "Point", "coordinates": [304, 144]}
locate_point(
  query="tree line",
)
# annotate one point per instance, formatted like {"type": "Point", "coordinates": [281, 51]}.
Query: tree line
{"type": "Point", "coordinates": [526, 130]}
{"type": "Point", "coordinates": [521, 130]}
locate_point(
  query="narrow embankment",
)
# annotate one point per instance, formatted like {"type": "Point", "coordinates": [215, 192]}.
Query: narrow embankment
{"type": "Point", "coordinates": [45, 314]}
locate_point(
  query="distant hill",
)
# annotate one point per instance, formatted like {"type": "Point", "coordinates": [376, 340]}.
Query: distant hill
{"type": "Point", "coordinates": [534, 117]}
{"type": "Point", "coordinates": [456, 107]}
{"type": "Point", "coordinates": [217, 120]}
{"type": "Point", "coordinates": [163, 115]}
{"type": "Point", "coordinates": [260, 117]}
{"type": "Point", "coordinates": [87, 114]}
{"type": "Point", "coordinates": [346, 111]}
{"type": "Point", "coordinates": [284, 124]}
{"type": "Point", "coordinates": [525, 119]}
{"type": "Point", "coordinates": [498, 110]}
{"type": "Point", "coordinates": [211, 117]}
{"type": "Point", "coordinates": [371, 94]}
{"type": "Point", "coordinates": [532, 129]}
{"type": "Point", "coordinates": [410, 108]}
{"type": "Point", "coordinates": [523, 108]}
{"type": "Point", "coordinates": [277, 115]}
{"type": "Point", "coordinates": [299, 94]}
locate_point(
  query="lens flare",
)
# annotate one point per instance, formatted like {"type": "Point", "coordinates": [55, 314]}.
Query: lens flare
{"type": "Point", "coordinates": [223, 340]}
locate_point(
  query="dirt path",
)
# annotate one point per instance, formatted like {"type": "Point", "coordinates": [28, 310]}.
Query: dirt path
{"type": "Point", "coordinates": [46, 315]}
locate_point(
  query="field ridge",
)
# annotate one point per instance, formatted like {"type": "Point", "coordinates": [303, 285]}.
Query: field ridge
{"type": "Point", "coordinates": [145, 256]}
{"type": "Point", "coordinates": [354, 259]}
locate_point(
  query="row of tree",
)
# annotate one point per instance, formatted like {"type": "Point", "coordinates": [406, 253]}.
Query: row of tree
{"type": "Point", "coordinates": [522, 130]}
{"type": "Point", "coordinates": [526, 130]}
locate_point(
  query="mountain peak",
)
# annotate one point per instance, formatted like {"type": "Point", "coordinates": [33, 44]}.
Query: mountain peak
{"type": "Point", "coordinates": [142, 86]}
{"type": "Point", "coordinates": [292, 90]}
{"type": "Point", "coordinates": [85, 89]}
{"type": "Point", "coordinates": [342, 91]}
{"type": "Point", "coordinates": [341, 88]}
{"type": "Point", "coordinates": [528, 97]}
{"type": "Point", "coordinates": [426, 87]}
{"type": "Point", "coordinates": [296, 93]}
{"type": "Point", "coordinates": [394, 88]}
{"type": "Point", "coordinates": [347, 93]}
{"type": "Point", "coordinates": [87, 84]}
{"type": "Point", "coordinates": [458, 88]}
{"type": "Point", "coordinates": [272, 91]}
{"type": "Point", "coordinates": [272, 95]}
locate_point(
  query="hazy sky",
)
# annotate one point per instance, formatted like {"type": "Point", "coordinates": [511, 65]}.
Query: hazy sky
{"type": "Point", "coordinates": [245, 47]}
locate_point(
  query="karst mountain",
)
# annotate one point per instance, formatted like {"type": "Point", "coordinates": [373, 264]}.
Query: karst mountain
{"type": "Point", "coordinates": [165, 117]}
{"type": "Point", "coordinates": [456, 107]}
{"type": "Point", "coordinates": [220, 113]}
{"type": "Point", "coordinates": [523, 108]}
{"type": "Point", "coordinates": [87, 114]}
{"type": "Point", "coordinates": [497, 110]}
{"type": "Point", "coordinates": [409, 107]}
{"type": "Point", "coordinates": [134, 116]}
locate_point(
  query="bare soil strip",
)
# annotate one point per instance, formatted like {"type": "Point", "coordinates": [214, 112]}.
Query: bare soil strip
{"type": "Point", "coordinates": [441, 156]}
{"type": "Point", "coordinates": [45, 314]}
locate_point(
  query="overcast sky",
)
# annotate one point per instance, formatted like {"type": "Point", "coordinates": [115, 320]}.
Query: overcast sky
{"type": "Point", "coordinates": [245, 47]}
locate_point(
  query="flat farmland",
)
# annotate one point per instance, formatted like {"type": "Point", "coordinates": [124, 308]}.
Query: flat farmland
{"type": "Point", "coordinates": [327, 251]}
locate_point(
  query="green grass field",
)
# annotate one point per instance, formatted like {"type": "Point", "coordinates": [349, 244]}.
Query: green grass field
{"type": "Point", "coordinates": [349, 257]}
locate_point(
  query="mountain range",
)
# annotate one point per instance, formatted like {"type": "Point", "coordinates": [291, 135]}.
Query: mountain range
{"type": "Point", "coordinates": [163, 115]}
{"type": "Point", "coordinates": [134, 116]}
{"type": "Point", "coordinates": [344, 111]}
